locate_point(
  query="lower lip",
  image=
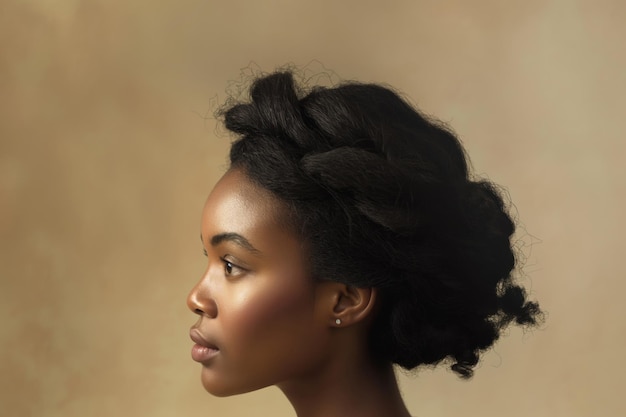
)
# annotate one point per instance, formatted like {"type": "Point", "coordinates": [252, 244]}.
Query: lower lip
{"type": "Point", "coordinates": [201, 353]}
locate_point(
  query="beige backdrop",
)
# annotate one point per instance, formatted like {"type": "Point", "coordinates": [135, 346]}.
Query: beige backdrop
{"type": "Point", "coordinates": [106, 159]}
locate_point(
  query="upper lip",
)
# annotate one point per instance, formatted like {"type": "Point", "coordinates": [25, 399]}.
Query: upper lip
{"type": "Point", "coordinates": [200, 339]}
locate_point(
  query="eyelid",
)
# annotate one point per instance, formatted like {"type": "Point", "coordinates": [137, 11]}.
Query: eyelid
{"type": "Point", "coordinates": [234, 266]}
{"type": "Point", "coordinates": [233, 263]}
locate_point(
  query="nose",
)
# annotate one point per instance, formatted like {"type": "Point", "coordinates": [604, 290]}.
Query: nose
{"type": "Point", "coordinates": [200, 301]}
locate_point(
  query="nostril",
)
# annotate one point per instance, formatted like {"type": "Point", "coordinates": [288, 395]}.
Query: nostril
{"type": "Point", "coordinates": [199, 301]}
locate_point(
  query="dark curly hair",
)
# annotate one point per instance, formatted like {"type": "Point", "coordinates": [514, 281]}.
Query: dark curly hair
{"type": "Point", "coordinates": [383, 198]}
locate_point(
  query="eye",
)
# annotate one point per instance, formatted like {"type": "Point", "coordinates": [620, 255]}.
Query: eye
{"type": "Point", "coordinates": [228, 267]}
{"type": "Point", "coordinates": [232, 270]}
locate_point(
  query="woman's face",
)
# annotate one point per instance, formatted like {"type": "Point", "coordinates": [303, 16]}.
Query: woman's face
{"type": "Point", "coordinates": [260, 320]}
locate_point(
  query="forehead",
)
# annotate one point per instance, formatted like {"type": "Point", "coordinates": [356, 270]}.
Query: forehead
{"type": "Point", "coordinates": [237, 205]}
{"type": "Point", "coordinates": [237, 193]}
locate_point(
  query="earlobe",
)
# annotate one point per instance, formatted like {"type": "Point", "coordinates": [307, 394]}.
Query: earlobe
{"type": "Point", "coordinates": [352, 304]}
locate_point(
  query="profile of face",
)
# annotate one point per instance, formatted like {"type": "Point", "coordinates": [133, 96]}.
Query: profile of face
{"type": "Point", "coordinates": [260, 316]}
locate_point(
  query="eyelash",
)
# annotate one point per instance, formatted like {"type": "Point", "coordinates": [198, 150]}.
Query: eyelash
{"type": "Point", "coordinates": [227, 265]}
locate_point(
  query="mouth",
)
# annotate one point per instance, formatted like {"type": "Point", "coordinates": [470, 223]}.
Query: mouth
{"type": "Point", "coordinates": [202, 350]}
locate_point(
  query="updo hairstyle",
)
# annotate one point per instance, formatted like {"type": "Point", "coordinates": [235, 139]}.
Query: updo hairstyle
{"type": "Point", "coordinates": [382, 197]}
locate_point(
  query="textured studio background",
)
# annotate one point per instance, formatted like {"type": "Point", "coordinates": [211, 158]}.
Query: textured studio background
{"type": "Point", "coordinates": [106, 157]}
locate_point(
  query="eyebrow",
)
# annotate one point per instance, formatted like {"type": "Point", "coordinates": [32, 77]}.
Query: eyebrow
{"type": "Point", "coordinates": [236, 239]}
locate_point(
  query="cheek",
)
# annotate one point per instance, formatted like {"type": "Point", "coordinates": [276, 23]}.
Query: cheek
{"type": "Point", "coordinates": [267, 330]}
{"type": "Point", "coordinates": [272, 305]}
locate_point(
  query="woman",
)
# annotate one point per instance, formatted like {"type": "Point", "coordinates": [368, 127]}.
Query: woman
{"type": "Point", "coordinates": [347, 237]}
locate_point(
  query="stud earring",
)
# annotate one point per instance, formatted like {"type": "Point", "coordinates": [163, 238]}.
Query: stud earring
{"type": "Point", "coordinates": [338, 321]}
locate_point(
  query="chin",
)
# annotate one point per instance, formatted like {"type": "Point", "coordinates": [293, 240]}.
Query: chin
{"type": "Point", "coordinates": [222, 387]}
{"type": "Point", "coordinates": [219, 391]}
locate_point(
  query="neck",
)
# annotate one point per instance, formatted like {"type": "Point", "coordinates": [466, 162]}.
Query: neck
{"type": "Point", "coordinates": [361, 390]}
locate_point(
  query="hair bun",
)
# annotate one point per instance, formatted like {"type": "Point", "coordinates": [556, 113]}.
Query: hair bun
{"type": "Point", "coordinates": [382, 196]}
{"type": "Point", "coordinates": [274, 111]}
{"type": "Point", "coordinates": [485, 209]}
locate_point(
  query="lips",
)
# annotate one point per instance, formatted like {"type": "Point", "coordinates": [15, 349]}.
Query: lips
{"type": "Point", "coordinates": [203, 350]}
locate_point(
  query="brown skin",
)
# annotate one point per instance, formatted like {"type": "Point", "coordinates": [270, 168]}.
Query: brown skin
{"type": "Point", "coordinates": [272, 323]}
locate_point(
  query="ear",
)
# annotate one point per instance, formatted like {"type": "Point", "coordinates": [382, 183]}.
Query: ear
{"type": "Point", "coordinates": [348, 304]}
